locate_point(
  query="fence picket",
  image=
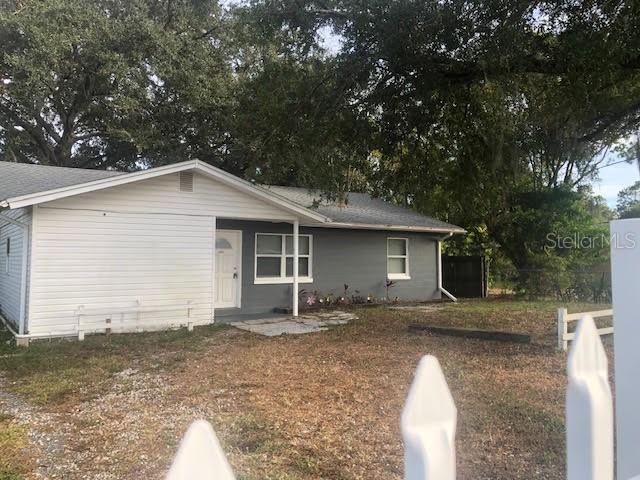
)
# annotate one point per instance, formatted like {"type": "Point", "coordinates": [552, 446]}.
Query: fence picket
{"type": "Point", "coordinates": [589, 407]}
{"type": "Point", "coordinates": [428, 425]}
{"type": "Point", "coordinates": [200, 456]}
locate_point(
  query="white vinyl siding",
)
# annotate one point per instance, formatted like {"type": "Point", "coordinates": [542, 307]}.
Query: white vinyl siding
{"type": "Point", "coordinates": [274, 258]}
{"type": "Point", "coordinates": [145, 244]}
{"type": "Point", "coordinates": [398, 259]}
{"type": "Point", "coordinates": [116, 262]}
{"type": "Point", "coordinates": [162, 195]}
{"type": "Point", "coordinates": [11, 266]}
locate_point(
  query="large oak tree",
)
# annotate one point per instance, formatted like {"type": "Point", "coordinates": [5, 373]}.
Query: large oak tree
{"type": "Point", "coordinates": [123, 83]}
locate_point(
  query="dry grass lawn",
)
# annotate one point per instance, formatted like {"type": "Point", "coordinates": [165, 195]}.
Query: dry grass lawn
{"type": "Point", "coordinates": [323, 405]}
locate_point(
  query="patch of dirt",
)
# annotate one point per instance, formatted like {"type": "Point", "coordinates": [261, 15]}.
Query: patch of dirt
{"type": "Point", "coordinates": [47, 432]}
{"type": "Point", "coordinates": [318, 406]}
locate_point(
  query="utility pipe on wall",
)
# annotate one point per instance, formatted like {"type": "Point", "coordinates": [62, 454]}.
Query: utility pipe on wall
{"type": "Point", "coordinates": [441, 289]}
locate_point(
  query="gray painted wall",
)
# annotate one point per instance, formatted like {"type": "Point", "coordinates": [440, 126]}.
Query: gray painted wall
{"type": "Point", "coordinates": [355, 257]}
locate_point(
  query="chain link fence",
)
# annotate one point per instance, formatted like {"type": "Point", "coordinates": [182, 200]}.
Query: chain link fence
{"type": "Point", "coordinates": [566, 285]}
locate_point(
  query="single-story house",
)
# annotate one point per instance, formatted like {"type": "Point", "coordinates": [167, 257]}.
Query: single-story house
{"type": "Point", "coordinates": [187, 244]}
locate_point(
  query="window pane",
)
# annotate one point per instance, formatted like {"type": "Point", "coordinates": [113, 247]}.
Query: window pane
{"type": "Point", "coordinates": [303, 267]}
{"type": "Point", "coordinates": [303, 242]}
{"type": "Point", "coordinates": [269, 244]}
{"type": "Point", "coordinates": [397, 246]}
{"type": "Point", "coordinates": [223, 244]}
{"type": "Point", "coordinates": [268, 266]}
{"type": "Point", "coordinates": [396, 265]}
{"type": "Point", "coordinates": [303, 245]}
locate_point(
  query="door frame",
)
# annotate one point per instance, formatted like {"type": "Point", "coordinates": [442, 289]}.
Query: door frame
{"type": "Point", "coordinates": [239, 257]}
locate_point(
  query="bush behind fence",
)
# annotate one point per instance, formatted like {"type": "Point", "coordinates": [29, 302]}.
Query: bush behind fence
{"type": "Point", "coordinates": [565, 285]}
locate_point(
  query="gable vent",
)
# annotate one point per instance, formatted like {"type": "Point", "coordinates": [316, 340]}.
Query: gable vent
{"type": "Point", "coordinates": [186, 181]}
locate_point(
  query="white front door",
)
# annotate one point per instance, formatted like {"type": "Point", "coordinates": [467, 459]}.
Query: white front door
{"type": "Point", "coordinates": [228, 268]}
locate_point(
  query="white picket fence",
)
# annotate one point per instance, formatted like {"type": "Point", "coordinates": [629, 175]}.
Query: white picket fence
{"type": "Point", "coordinates": [428, 423]}
{"type": "Point", "coordinates": [565, 318]}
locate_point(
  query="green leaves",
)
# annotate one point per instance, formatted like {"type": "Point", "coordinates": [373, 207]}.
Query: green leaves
{"type": "Point", "coordinates": [491, 114]}
{"type": "Point", "coordinates": [96, 82]}
{"type": "Point", "coordinates": [628, 205]}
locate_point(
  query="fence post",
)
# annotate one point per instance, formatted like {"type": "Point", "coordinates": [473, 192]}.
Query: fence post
{"type": "Point", "coordinates": [428, 425]}
{"type": "Point", "coordinates": [562, 329]}
{"type": "Point", "coordinates": [79, 323]}
{"type": "Point", "coordinates": [589, 407]}
{"type": "Point", "coordinates": [200, 456]}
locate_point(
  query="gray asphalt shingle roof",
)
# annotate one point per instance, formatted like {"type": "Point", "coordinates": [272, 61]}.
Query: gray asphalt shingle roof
{"type": "Point", "coordinates": [362, 209]}
{"type": "Point", "coordinates": [18, 179]}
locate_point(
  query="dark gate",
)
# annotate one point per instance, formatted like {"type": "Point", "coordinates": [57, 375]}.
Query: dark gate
{"type": "Point", "coordinates": [465, 276]}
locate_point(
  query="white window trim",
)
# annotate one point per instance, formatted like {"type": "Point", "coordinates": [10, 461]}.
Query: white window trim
{"type": "Point", "coordinates": [282, 279]}
{"type": "Point", "coordinates": [399, 276]}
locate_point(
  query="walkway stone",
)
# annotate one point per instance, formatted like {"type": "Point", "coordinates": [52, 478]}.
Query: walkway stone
{"type": "Point", "coordinates": [307, 323]}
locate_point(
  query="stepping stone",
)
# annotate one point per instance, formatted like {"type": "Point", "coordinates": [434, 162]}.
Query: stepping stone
{"type": "Point", "coordinates": [309, 323]}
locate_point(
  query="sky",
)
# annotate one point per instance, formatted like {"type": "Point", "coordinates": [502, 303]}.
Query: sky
{"type": "Point", "coordinates": [615, 178]}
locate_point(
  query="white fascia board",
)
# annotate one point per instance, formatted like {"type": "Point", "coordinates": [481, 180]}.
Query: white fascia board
{"type": "Point", "coordinates": [125, 178]}
{"type": "Point", "coordinates": [395, 228]}
{"type": "Point", "coordinates": [57, 193]}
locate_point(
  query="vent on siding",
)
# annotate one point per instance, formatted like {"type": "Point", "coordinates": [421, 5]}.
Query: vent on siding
{"type": "Point", "coordinates": [186, 181]}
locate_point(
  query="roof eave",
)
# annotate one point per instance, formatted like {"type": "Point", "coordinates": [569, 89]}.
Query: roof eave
{"type": "Point", "coordinates": [397, 228]}
{"type": "Point", "coordinates": [79, 188]}
{"type": "Point", "coordinates": [125, 178]}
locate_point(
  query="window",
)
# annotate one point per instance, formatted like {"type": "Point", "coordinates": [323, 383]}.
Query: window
{"type": "Point", "coordinates": [397, 258]}
{"type": "Point", "coordinates": [274, 258]}
{"type": "Point", "coordinates": [7, 256]}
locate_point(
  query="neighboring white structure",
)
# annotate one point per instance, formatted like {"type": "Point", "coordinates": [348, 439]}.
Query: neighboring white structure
{"type": "Point", "coordinates": [625, 267]}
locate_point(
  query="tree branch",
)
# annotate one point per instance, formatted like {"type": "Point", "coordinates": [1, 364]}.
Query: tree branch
{"type": "Point", "coordinates": [35, 133]}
